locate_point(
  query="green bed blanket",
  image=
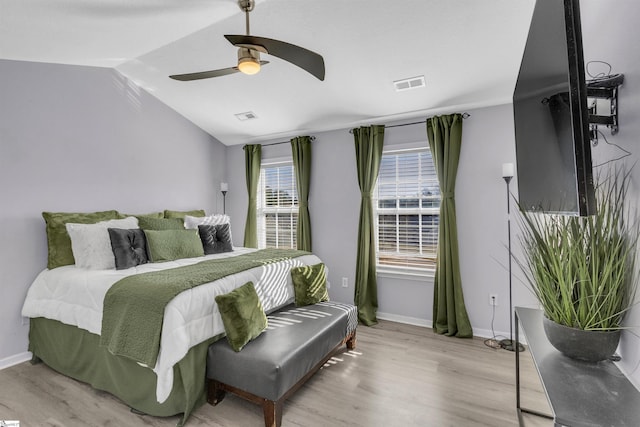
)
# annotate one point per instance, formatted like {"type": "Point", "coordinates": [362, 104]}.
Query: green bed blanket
{"type": "Point", "coordinates": [134, 306]}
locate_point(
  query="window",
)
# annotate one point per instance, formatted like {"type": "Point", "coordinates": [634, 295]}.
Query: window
{"type": "Point", "coordinates": [407, 208]}
{"type": "Point", "coordinates": [277, 206]}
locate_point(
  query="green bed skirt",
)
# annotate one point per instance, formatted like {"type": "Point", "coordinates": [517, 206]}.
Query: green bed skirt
{"type": "Point", "coordinates": [76, 353]}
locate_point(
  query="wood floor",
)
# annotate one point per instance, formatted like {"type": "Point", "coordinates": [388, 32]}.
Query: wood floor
{"type": "Point", "coordinates": [399, 375]}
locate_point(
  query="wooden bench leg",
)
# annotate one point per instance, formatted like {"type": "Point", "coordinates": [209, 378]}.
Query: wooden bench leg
{"type": "Point", "coordinates": [215, 394]}
{"type": "Point", "coordinates": [351, 341]}
{"type": "Point", "coordinates": [272, 412]}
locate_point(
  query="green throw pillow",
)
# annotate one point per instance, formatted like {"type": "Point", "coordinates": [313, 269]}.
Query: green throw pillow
{"type": "Point", "coordinates": [182, 214]}
{"type": "Point", "coordinates": [310, 284]}
{"type": "Point", "coordinates": [242, 315]}
{"type": "Point", "coordinates": [148, 223]}
{"type": "Point", "coordinates": [147, 215]}
{"type": "Point", "coordinates": [58, 239]}
{"type": "Point", "coordinates": [168, 245]}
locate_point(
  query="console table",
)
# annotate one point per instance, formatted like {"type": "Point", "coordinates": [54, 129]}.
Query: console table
{"type": "Point", "coordinates": [581, 394]}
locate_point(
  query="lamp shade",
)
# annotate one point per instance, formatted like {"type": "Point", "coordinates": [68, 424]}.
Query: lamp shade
{"type": "Point", "coordinates": [507, 170]}
{"type": "Point", "coordinates": [224, 186]}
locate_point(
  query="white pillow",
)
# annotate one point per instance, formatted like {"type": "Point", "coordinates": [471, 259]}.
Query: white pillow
{"type": "Point", "coordinates": [192, 222]}
{"type": "Point", "coordinates": [91, 245]}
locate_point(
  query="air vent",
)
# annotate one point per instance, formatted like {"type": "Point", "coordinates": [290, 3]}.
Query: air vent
{"type": "Point", "coordinates": [410, 83]}
{"type": "Point", "coordinates": [249, 115]}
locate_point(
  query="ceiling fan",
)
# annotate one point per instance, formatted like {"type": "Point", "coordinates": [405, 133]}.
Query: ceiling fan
{"type": "Point", "coordinates": [249, 48]}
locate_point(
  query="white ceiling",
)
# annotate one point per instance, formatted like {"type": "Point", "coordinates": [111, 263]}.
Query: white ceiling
{"type": "Point", "coordinates": [468, 50]}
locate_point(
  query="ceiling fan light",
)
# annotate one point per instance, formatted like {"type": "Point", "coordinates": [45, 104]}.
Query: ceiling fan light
{"type": "Point", "coordinates": [248, 61]}
{"type": "Point", "coordinates": [249, 66]}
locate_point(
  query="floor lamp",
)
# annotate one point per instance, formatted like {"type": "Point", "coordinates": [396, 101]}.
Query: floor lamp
{"type": "Point", "coordinates": [508, 344]}
{"type": "Point", "coordinates": [224, 187]}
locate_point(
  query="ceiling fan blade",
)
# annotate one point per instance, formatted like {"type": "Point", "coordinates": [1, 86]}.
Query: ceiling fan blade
{"type": "Point", "coordinates": [204, 74]}
{"type": "Point", "coordinates": [208, 74]}
{"type": "Point", "coordinates": [303, 58]}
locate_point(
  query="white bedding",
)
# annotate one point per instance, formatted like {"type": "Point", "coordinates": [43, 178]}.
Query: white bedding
{"type": "Point", "coordinates": [75, 296]}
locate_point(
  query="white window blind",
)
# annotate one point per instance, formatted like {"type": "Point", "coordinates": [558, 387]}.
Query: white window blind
{"type": "Point", "coordinates": [277, 207]}
{"type": "Point", "coordinates": [407, 208]}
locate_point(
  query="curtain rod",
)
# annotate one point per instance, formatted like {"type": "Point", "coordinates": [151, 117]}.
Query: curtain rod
{"type": "Point", "coordinates": [313, 138]}
{"type": "Point", "coordinates": [464, 116]}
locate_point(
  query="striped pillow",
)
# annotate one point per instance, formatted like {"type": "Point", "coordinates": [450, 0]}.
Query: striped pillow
{"type": "Point", "coordinates": [192, 222]}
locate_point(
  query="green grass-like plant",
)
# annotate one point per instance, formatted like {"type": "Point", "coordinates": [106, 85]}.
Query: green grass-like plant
{"type": "Point", "coordinates": [582, 269]}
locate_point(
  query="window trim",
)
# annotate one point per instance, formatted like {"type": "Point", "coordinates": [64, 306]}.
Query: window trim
{"type": "Point", "coordinates": [262, 209]}
{"type": "Point", "coordinates": [407, 146]}
{"type": "Point", "coordinates": [406, 273]}
{"type": "Point", "coordinates": [402, 272]}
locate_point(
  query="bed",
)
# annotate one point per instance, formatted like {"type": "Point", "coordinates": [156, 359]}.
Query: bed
{"type": "Point", "coordinates": [66, 307]}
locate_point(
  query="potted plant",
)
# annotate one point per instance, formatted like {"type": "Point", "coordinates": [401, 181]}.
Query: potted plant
{"type": "Point", "coordinates": [582, 270]}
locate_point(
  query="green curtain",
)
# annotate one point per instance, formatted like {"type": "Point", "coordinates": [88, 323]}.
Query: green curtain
{"type": "Point", "coordinates": [252, 157]}
{"type": "Point", "coordinates": [369, 142]}
{"type": "Point", "coordinates": [301, 150]}
{"type": "Point", "coordinates": [449, 312]}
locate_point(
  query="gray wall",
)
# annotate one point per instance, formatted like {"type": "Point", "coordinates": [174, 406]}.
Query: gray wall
{"type": "Point", "coordinates": [611, 33]}
{"type": "Point", "coordinates": [82, 139]}
{"type": "Point", "coordinates": [334, 203]}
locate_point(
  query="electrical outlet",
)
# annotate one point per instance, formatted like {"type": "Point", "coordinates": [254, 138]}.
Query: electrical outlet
{"type": "Point", "coordinates": [493, 300]}
{"type": "Point", "coordinates": [345, 282]}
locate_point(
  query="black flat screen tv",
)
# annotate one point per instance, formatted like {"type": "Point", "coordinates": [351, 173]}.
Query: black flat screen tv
{"type": "Point", "coordinates": [551, 118]}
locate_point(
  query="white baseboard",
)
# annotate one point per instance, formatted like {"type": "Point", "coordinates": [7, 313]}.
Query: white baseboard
{"type": "Point", "coordinates": [15, 359]}
{"type": "Point", "coordinates": [416, 321]}
{"type": "Point", "coordinates": [487, 333]}
{"type": "Point", "coordinates": [628, 374]}
{"type": "Point", "coordinates": [404, 319]}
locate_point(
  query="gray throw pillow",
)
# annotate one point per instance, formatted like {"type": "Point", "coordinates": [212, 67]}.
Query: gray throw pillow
{"type": "Point", "coordinates": [129, 247]}
{"type": "Point", "coordinates": [215, 238]}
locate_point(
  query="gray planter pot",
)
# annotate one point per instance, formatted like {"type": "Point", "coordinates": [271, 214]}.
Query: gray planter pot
{"type": "Point", "coordinates": [589, 346]}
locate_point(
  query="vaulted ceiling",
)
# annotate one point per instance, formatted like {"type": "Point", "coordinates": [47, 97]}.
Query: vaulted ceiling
{"type": "Point", "coordinates": [468, 51]}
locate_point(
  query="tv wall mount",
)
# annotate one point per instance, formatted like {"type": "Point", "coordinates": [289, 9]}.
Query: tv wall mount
{"type": "Point", "coordinates": [604, 88]}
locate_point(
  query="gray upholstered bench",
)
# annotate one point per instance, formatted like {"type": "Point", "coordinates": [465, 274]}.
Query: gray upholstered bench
{"type": "Point", "coordinates": [297, 343]}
